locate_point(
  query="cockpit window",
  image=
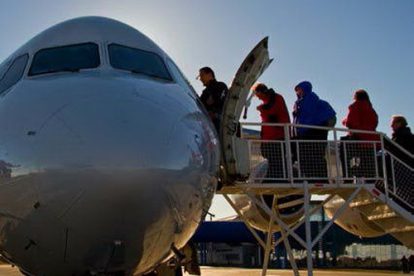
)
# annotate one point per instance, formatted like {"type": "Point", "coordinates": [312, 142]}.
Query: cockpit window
{"type": "Point", "coordinates": [14, 73]}
{"type": "Point", "coordinates": [138, 61]}
{"type": "Point", "coordinates": [4, 66]}
{"type": "Point", "coordinates": [178, 75]}
{"type": "Point", "coordinates": [70, 58]}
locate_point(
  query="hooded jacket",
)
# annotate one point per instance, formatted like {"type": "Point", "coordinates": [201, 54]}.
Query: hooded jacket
{"type": "Point", "coordinates": [310, 109]}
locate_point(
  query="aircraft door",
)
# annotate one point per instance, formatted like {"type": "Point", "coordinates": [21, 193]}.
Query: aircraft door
{"type": "Point", "coordinates": [235, 157]}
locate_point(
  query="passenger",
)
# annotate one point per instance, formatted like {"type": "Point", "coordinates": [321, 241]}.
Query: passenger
{"type": "Point", "coordinates": [213, 95]}
{"type": "Point", "coordinates": [399, 163]}
{"type": "Point", "coordinates": [360, 157]}
{"type": "Point", "coordinates": [309, 109]}
{"type": "Point", "coordinates": [273, 110]}
{"type": "Point", "coordinates": [402, 133]}
{"type": "Point", "coordinates": [361, 116]}
{"type": "Point", "coordinates": [397, 170]}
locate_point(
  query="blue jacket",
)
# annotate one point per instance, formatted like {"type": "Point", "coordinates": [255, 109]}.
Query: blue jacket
{"type": "Point", "coordinates": [311, 110]}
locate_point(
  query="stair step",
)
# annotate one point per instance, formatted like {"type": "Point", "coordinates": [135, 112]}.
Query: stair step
{"type": "Point", "coordinates": [392, 223]}
{"type": "Point", "coordinates": [408, 228]}
{"type": "Point", "coordinates": [365, 202]}
{"type": "Point", "coordinates": [405, 238]}
{"type": "Point", "coordinates": [377, 210]}
{"type": "Point", "coordinates": [382, 216]}
{"type": "Point", "coordinates": [364, 198]}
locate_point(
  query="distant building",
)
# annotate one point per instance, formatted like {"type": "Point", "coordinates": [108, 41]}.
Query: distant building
{"type": "Point", "coordinates": [229, 243]}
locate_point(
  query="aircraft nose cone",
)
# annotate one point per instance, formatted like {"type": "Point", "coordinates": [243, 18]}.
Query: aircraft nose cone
{"type": "Point", "coordinates": [127, 172]}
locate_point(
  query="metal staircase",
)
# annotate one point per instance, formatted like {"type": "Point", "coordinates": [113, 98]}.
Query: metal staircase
{"type": "Point", "coordinates": [390, 203]}
{"type": "Point", "coordinates": [373, 178]}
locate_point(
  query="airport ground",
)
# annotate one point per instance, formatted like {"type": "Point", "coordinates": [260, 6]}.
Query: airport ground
{"type": "Point", "coordinates": [226, 271]}
{"type": "Point", "coordinates": [210, 271]}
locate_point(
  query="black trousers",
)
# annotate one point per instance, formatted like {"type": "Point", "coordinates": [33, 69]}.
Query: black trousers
{"type": "Point", "coordinates": [358, 159]}
{"type": "Point", "coordinates": [274, 153]}
{"type": "Point", "coordinates": [311, 155]}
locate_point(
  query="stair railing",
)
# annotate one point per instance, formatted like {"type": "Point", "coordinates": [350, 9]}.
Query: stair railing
{"type": "Point", "coordinates": [337, 161]}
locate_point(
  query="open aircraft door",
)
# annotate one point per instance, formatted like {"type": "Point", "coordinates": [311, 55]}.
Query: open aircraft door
{"type": "Point", "coordinates": [235, 151]}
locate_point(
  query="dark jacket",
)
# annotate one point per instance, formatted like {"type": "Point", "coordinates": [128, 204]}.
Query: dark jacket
{"type": "Point", "coordinates": [213, 98]}
{"type": "Point", "coordinates": [362, 116]}
{"type": "Point", "coordinates": [311, 110]}
{"type": "Point", "coordinates": [273, 110]}
{"type": "Point", "coordinates": [404, 138]}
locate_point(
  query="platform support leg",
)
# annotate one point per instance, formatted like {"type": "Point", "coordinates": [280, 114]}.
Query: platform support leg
{"type": "Point", "coordinates": [290, 253]}
{"type": "Point", "coordinates": [246, 222]}
{"type": "Point", "coordinates": [268, 242]}
{"type": "Point", "coordinates": [309, 260]}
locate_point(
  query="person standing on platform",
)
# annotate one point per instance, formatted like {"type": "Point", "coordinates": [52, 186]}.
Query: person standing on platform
{"type": "Point", "coordinates": [399, 163]}
{"type": "Point", "coordinates": [360, 156]}
{"type": "Point", "coordinates": [361, 116]}
{"type": "Point", "coordinates": [272, 110]}
{"type": "Point", "coordinates": [309, 109]}
{"type": "Point", "coordinates": [213, 95]}
{"type": "Point", "coordinates": [401, 135]}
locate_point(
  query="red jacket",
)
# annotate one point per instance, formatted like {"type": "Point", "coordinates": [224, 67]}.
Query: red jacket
{"type": "Point", "coordinates": [273, 110]}
{"type": "Point", "coordinates": [362, 116]}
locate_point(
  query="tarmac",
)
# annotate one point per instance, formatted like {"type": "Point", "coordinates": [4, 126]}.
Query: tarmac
{"type": "Point", "coordinates": [226, 271]}
{"type": "Point", "coordinates": [216, 271]}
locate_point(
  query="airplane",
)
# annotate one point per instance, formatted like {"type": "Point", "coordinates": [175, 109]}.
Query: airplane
{"type": "Point", "coordinates": [108, 160]}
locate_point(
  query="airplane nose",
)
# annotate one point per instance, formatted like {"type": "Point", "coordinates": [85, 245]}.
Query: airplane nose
{"type": "Point", "coordinates": [126, 172]}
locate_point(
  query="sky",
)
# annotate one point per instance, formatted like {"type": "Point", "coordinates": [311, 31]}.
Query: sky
{"type": "Point", "coordinates": [338, 45]}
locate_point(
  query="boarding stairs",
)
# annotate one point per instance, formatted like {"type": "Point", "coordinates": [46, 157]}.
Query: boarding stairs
{"type": "Point", "coordinates": [376, 178]}
{"type": "Point", "coordinates": [389, 202]}
{"type": "Point", "coordinates": [367, 176]}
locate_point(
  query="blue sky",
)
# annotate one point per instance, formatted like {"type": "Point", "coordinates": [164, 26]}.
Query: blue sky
{"type": "Point", "coordinates": [338, 45]}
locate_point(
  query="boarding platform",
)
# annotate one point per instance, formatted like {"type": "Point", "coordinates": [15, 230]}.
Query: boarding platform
{"type": "Point", "coordinates": [371, 178]}
{"type": "Point", "coordinates": [270, 184]}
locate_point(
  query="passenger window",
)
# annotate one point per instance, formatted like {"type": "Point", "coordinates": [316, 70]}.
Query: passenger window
{"type": "Point", "coordinates": [137, 61]}
{"type": "Point", "coordinates": [71, 58]}
{"type": "Point", "coordinates": [14, 73]}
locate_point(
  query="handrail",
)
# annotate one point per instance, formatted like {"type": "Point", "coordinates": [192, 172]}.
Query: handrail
{"type": "Point", "coordinates": [313, 127]}
{"type": "Point", "coordinates": [399, 160]}
{"type": "Point", "coordinates": [346, 163]}
{"type": "Point", "coordinates": [399, 147]}
{"type": "Point", "coordinates": [335, 129]}
{"type": "Point", "coordinates": [384, 167]}
{"type": "Point", "coordinates": [401, 199]}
